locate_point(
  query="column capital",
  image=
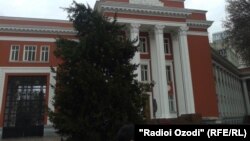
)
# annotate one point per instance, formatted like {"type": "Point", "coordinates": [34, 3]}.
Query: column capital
{"type": "Point", "coordinates": [134, 27]}
{"type": "Point", "coordinates": [159, 29]}
{"type": "Point", "coordinates": [183, 30]}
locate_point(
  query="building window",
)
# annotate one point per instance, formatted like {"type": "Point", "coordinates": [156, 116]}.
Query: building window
{"type": "Point", "coordinates": [143, 45]}
{"type": "Point", "coordinates": [144, 72]}
{"type": "Point", "coordinates": [167, 46]}
{"type": "Point", "coordinates": [171, 104]}
{"type": "Point", "coordinates": [168, 74]}
{"type": "Point", "coordinates": [171, 98]}
{"type": "Point", "coordinates": [44, 54]}
{"type": "Point", "coordinates": [14, 53]}
{"type": "Point", "coordinates": [29, 53]}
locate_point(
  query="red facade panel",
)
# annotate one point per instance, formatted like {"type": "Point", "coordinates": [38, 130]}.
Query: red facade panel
{"type": "Point", "coordinates": [55, 36]}
{"type": "Point", "coordinates": [197, 16]}
{"type": "Point", "coordinates": [6, 48]}
{"type": "Point", "coordinates": [170, 3]}
{"type": "Point", "coordinates": [202, 76]}
{"type": "Point", "coordinates": [34, 22]}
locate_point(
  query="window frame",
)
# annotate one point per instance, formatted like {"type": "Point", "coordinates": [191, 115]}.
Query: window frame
{"type": "Point", "coordinates": [24, 53]}
{"type": "Point", "coordinates": [143, 73]}
{"type": "Point", "coordinates": [170, 63]}
{"type": "Point", "coordinates": [169, 47]}
{"type": "Point", "coordinates": [172, 108]}
{"type": "Point", "coordinates": [145, 62]}
{"type": "Point", "coordinates": [11, 53]}
{"type": "Point", "coordinates": [41, 53]}
{"type": "Point", "coordinates": [146, 44]}
{"type": "Point", "coordinates": [168, 73]}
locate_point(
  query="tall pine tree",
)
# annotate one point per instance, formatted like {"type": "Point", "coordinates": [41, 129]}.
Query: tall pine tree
{"type": "Point", "coordinates": [96, 91]}
{"type": "Point", "coordinates": [238, 29]}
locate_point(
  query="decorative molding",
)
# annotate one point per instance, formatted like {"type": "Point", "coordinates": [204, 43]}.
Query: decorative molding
{"type": "Point", "coordinates": [34, 19]}
{"type": "Point", "coordinates": [134, 27]}
{"type": "Point", "coordinates": [150, 22]}
{"type": "Point", "coordinates": [159, 29]}
{"type": "Point", "coordinates": [147, 2]}
{"type": "Point", "coordinates": [37, 29]}
{"type": "Point", "coordinates": [183, 30]}
{"type": "Point", "coordinates": [197, 33]}
{"type": "Point", "coordinates": [199, 23]}
{"type": "Point", "coordinates": [143, 9]}
{"type": "Point", "coordinates": [34, 39]}
{"type": "Point", "coordinates": [31, 39]}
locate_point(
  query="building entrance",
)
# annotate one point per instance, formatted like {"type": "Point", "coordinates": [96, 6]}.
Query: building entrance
{"type": "Point", "coordinates": [25, 106]}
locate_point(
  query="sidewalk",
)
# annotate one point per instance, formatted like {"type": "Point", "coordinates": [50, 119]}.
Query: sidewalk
{"type": "Point", "coordinates": [49, 135]}
{"type": "Point", "coordinates": [33, 139]}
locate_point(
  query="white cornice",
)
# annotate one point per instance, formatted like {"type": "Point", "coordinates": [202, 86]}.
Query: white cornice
{"type": "Point", "coordinates": [36, 29]}
{"type": "Point", "coordinates": [222, 62]}
{"type": "Point", "coordinates": [147, 2]}
{"type": "Point", "coordinates": [33, 39]}
{"type": "Point", "coordinates": [35, 19]}
{"type": "Point", "coordinates": [143, 9]}
{"type": "Point", "coordinates": [179, 0]}
{"type": "Point", "coordinates": [151, 22]}
{"type": "Point", "coordinates": [197, 11]}
{"type": "Point", "coordinates": [199, 23]}
{"type": "Point", "coordinates": [197, 33]}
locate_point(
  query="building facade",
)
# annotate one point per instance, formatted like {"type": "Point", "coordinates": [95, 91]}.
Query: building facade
{"type": "Point", "coordinates": [231, 75]}
{"type": "Point", "coordinates": [224, 49]}
{"type": "Point", "coordinates": [25, 75]}
{"type": "Point", "coordinates": [176, 51]}
{"type": "Point", "coordinates": [231, 90]}
{"type": "Point", "coordinates": [175, 55]}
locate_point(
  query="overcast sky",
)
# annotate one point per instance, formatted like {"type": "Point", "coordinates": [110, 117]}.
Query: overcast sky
{"type": "Point", "coordinates": [50, 9]}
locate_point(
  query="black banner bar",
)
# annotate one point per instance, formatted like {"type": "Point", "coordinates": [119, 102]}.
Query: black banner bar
{"type": "Point", "coordinates": [200, 132]}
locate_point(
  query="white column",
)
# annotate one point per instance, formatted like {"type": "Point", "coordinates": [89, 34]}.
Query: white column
{"type": "Point", "coordinates": [186, 70]}
{"type": "Point", "coordinates": [181, 101]}
{"type": "Point", "coordinates": [159, 72]}
{"type": "Point", "coordinates": [134, 35]}
{"type": "Point", "coordinates": [246, 97]}
{"type": "Point", "coordinates": [218, 91]}
{"type": "Point", "coordinates": [51, 93]}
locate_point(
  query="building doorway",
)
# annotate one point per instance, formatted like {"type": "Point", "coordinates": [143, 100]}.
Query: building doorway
{"type": "Point", "coordinates": [25, 106]}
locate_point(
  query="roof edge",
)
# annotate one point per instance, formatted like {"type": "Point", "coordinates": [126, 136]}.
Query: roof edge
{"type": "Point", "coordinates": [33, 19]}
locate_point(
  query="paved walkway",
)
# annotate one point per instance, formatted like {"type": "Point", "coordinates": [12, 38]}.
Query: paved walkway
{"type": "Point", "coordinates": [34, 139]}
{"type": "Point", "coordinates": [49, 135]}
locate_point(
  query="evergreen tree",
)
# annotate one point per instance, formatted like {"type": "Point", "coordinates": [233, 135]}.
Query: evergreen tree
{"type": "Point", "coordinates": [238, 29]}
{"type": "Point", "coordinates": [96, 91]}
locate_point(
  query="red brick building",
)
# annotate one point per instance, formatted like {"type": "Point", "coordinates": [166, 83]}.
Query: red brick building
{"type": "Point", "coordinates": [175, 54]}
